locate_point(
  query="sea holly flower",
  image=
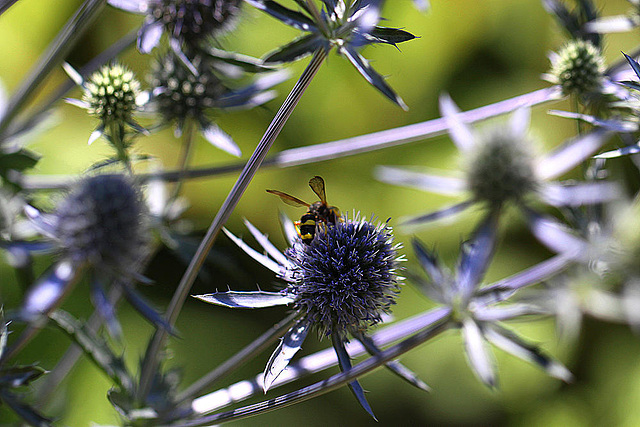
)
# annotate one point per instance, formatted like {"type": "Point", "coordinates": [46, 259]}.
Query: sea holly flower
{"type": "Point", "coordinates": [345, 25]}
{"type": "Point", "coordinates": [186, 22]}
{"type": "Point", "coordinates": [112, 95]}
{"type": "Point", "coordinates": [99, 228]}
{"type": "Point", "coordinates": [179, 95]}
{"type": "Point", "coordinates": [501, 169]}
{"type": "Point", "coordinates": [340, 284]}
{"type": "Point", "coordinates": [479, 311]}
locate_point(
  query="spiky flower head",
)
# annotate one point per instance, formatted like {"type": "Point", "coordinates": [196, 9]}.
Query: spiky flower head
{"type": "Point", "coordinates": [178, 94]}
{"type": "Point", "coordinates": [578, 68]}
{"type": "Point", "coordinates": [346, 278]}
{"type": "Point", "coordinates": [101, 223]}
{"type": "Point", "coordinates": [191, 21]}
{"type": "Point", "coordinates": [111, 94]}
{"type": "Point", "coordinates": [500, 167]}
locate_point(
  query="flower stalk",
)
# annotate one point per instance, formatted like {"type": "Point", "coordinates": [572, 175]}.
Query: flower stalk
{"type": "Point", "coordinates": [250, 169]}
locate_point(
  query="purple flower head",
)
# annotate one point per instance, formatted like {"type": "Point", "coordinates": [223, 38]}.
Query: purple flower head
{"type": "Point", "coordinates": [341, 283]}
{"type": "Point", "coordinates": [186, 22]}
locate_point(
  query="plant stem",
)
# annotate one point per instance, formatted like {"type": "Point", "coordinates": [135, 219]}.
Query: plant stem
{"type": "Point", "coordinates": [57, 50]}
{"type": "Point", "coordinates": [330, 383]}
{"type": "Point", "coordinates": [183, 164]}
{"type": "Point", "coordinates": [329, 150]}
{"type": "Point", "coordinates": [151, 360]}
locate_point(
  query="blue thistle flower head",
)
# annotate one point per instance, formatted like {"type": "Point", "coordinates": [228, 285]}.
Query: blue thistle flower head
{"type": "Point", "coordinates": [187, 22]}
{"type": "Point", "coordinates": [102, 227]}
{"type": "Point", "coordinates": [346, 278]}
{"type": "Point", "coordinates": [101, 223]}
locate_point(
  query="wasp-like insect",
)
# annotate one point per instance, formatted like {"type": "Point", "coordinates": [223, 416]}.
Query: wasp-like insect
{"type": "Point", "coordinates": [317, 212]}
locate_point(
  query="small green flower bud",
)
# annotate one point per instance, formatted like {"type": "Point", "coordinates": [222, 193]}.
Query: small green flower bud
{"type": "Point", "coordinates": [111, 94]}
{"type": "Point", "coordinates": [578, 68]}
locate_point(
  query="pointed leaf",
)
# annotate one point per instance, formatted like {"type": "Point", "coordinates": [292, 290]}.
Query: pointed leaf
{"type": "Point", "coordinates": [460, 132]}
{"type": "Point", "coordinates": [247, 299]}
{"type": "Point", "coordinates": [149, 36]}
{"type": "Point", "coordinates": [625, 151]}
{"type": "Point", "coordinates": [246, 63]}
{"type": "Point", "coordinates": [613, 125]}
{"type": "Point", "coordinates": [144, 308]}
{"type": "Point", "coordinates": [511, 343]}
{"type": "Point", "coordinates": [218, 138]}
{"type": "Point", "coordinates": [476, 255]}
{"type": "Point", "coordinates": [77, 103]}
{"type": "Point", "coordinates": [95, 135]}
{"type": "Point", "coordinates": [445, 213]}
{"type": "Point", "coordinates": [288, 347]}
{"type": "Point", "coordinates": [634, 64]}
{"type": "Point", "coordinates": [429, 261]}
{"type": "Point", "coordinates": [290, 17]}
{"type": "Point", "coordinates": [555, 235]}
{"type": "Point", "coordinates": [44, 223]}
{"type": "Point", "coordinates": [447, 185]}
{"type": "Point", "coordinates": [99, 352]}
{"type": "Point", "coordinates": [479, 356]}
{"type": "Point", "coordinates": [18, 376]}
{"type": "Point", "coordinates": [580, 194]}
{"type": "Point", "coordinates": [571, 154]}
{"type": "Point", "coordinates": [73, 74]}
{"type": "Point", "coordinates": [47, 293]}
{"type": "Point", "coordinates": [106, 310]}
{"type": "Point", "coordinates": [133, 6]}
{"type": "Point", "coordinates": [266, 244]}
{"type": "Point", "coordinates": [18, 161]}
{"type": "Point", "coordinates": [612, 24]}
{"type": "Point", "coordinates": [532, 275]}
{"type": "Point", "coordinates": [394, 366]}
{"type": "Point", "coordinates": [298, 48]}
{"type": "Point", "coordinates": [262, 259]}
{"type": "Point", "coordinates": [391, 36]}
{"type": "Point", "coordinates": [372, 76]}
{"type": "Point", "coordinates": [344, 361]}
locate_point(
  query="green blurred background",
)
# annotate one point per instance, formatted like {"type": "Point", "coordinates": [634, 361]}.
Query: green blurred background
{"type": "Point", "coordinates": [478, 51]}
